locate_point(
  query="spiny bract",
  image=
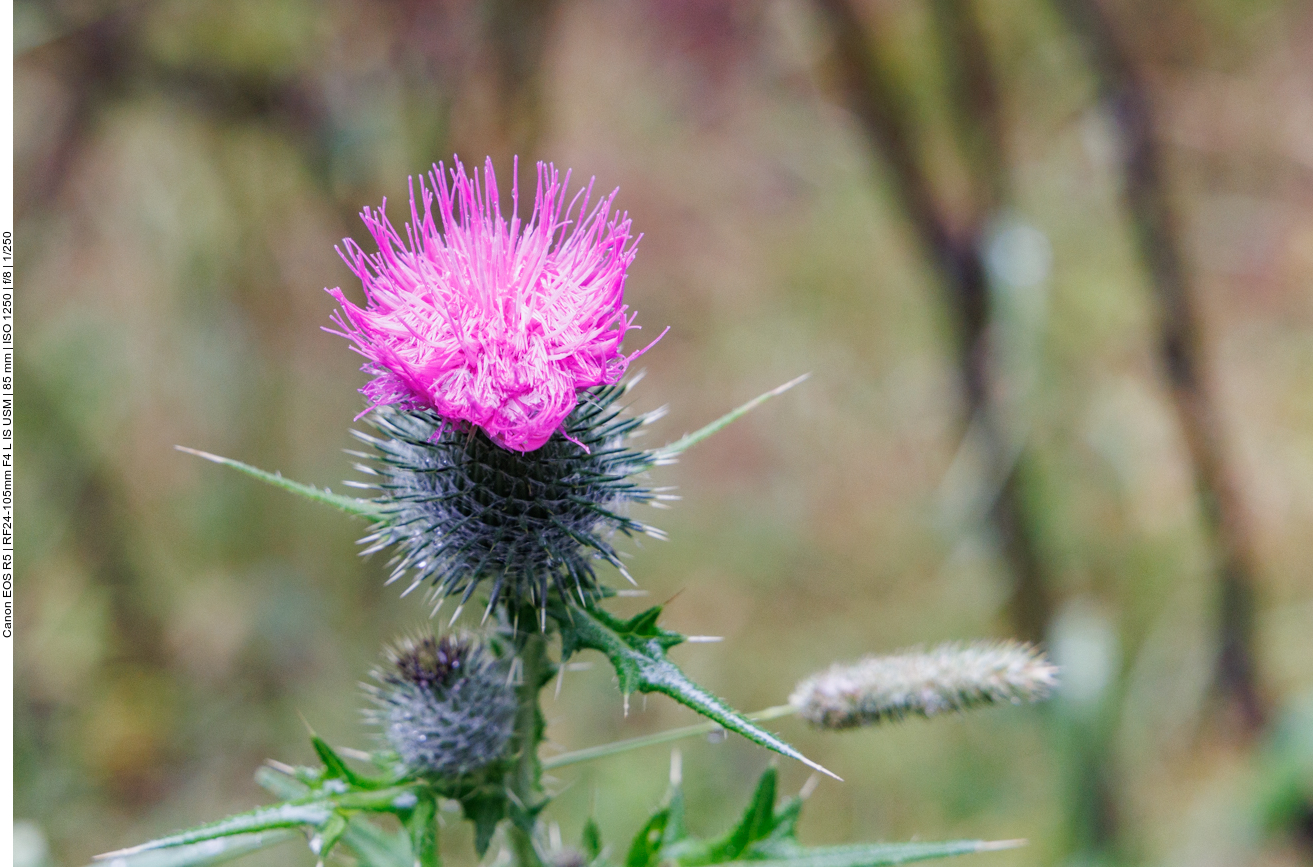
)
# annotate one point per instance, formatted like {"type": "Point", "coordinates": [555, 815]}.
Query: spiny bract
{"type": "Point", "coordinates": [465, 514]}
{"type": "Point", "coordinates": [446, 706]}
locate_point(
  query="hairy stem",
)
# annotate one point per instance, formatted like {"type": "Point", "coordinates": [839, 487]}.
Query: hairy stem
{"type": "Point", "coordinates": [525, 783]}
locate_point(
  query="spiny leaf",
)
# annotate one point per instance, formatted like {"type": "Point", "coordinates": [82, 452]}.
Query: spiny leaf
{"type": "Point", "coordinates": [292, 815]}
{"type": "Point", "coordinates": [205, 852]}
{"type": "Point", "coordinates": [764, 837]}
{"type": "Point", "coordinates": [687, 441]}
{"type": "Point", "coordinates": [369, 843]}
{"type": "Point", "coordinates": [335, 767]}
{"type": "Point", "coordinates": [350, 505]}
{"type": "Point", "coordinates": [637, 649]}
{"type": "Point", "coordinates": [760, 824]}
{"type": "Point", "coordinates": [263, 819]}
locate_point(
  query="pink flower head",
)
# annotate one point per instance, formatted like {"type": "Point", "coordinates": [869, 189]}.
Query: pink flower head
{"type": "Point", "coordinates": [488, 322]}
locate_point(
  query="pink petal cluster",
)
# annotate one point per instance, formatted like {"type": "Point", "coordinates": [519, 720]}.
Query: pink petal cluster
{"type": "Point", "coordinates": [487, 321]}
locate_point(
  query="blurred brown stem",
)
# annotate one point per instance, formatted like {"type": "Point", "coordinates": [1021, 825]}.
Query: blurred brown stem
{"type": "Point", "coordinates": [956, 252]}
{"type": "Point", "coordinates": [1154, 224]}
{"type": "Point", "coordinates": [977, 106]}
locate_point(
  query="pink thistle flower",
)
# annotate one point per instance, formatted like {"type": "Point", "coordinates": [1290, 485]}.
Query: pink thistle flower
{"type": "Point", "coordinates": [488, 322]}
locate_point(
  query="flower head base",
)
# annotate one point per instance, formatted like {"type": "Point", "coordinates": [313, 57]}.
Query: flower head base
{"type": "Point", "coordinates": [446, 706]}
{"type": "Point", "coordinates": [465, 514]}
{"type": "Point", "coordinates": [489, 322]}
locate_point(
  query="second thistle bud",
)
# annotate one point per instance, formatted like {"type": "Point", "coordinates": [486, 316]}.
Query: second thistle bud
{"type": "Point", "coordinates": [445, 705]}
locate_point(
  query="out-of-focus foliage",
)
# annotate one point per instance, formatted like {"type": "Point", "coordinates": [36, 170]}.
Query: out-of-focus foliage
{"type": "Point", "coordinates": [185, 169]}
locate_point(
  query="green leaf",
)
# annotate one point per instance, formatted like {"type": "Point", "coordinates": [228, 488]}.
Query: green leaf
{"type": "Point", "coordinates": [764, 837]}
{"type": "Point", "coordinates": [335, 767]}
{"type": "Point", "coordinates": [784, 824]}
{"type": "Point", "coordinates": [485, 809]}
{"type": "Point", "coordinates": [323, 842]}
{"type": "Point", "coordinates": [368, 842]}
{"type": "Point", "coordinates": [314, 811]}
{"type": "Point", "coordinates": [687, 441]}
{"type": "Point", "coordinates": [646, 848]}
{"type": "Point", "coordinates": [374, 846]}
{"type": "Point", "coordinates": [637, 649]}
{"type": "Point", "coordinates": [262, 819]}
{"type": "Point", "coordinates": [206, 852]}
{"type": "Point", "coordinates": [422, 826]}
{"type": "Point", "coordinates": [591, 839]}
{"type": "Point", "coordinates": [351, 505]}
{"type": "Point", "coordinates": [757, 822]}
{"type": "Point", "coordinates": [280, 783]}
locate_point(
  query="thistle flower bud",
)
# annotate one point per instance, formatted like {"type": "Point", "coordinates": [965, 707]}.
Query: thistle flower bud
{"type": "Point", "coordinates": [951, 677]}
{"type": "Point", "coordinates": [465, 513]}
{"type": "Point", "coordinates": [488, 322]}
{"type": "Point", "coordinates": [446, 706]}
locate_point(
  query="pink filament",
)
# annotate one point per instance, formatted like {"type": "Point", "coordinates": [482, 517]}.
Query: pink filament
{"type": "Point", "coordinates": [489, 322]}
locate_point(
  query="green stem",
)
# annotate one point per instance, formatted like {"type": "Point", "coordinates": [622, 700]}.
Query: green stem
{"type": "Point", "coordinates": [687, 441]}
{"type": "Point", "coordinates": [350, 505]}
{"type": "Point", "coordinates": [601, 751]}
{"type": "Point", "coordinates": [422, 825]}
{"type": "Point", "coordinates": [526, 778]}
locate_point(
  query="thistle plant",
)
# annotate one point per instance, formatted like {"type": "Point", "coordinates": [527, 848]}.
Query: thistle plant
{"type": "Point", "coordinates": [500, 468]}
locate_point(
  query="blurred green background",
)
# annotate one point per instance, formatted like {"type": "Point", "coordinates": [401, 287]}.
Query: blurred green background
{"type": "Point", "coordinates": [184, 170]}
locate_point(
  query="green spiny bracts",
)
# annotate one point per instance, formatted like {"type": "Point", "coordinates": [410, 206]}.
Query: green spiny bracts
{"type": "Point", "coordinates": [446, 706]}
{"type": "Point", "coordinates": [467, 515]}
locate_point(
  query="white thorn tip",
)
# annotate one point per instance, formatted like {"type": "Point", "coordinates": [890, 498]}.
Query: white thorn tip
{"type": "Point", "coordinates": [816, 766]}
{"type": "Point", "coordinates": [996, 845]}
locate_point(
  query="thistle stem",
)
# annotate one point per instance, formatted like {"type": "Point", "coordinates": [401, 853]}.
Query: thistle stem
{"type": "Point", "coordinates": [687, 441]}
{"type": "Point", "coordinates": [603, 750]}
{"type": "Point", "coordinates": [525, 783]}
